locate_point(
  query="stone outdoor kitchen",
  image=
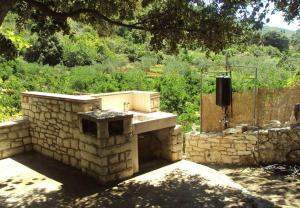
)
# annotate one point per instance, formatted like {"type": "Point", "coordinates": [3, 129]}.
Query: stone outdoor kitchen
{"type": "Point", "coordinates": [111, 136]}
{"type": "Point", "coordinates": [107, 136]}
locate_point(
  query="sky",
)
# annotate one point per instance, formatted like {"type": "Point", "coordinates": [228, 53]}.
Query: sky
{"type": "Point", "coordinates": [277, 20]}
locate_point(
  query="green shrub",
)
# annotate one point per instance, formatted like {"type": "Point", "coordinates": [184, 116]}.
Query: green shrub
{"type": "Point", "coordinates": [46, 50]}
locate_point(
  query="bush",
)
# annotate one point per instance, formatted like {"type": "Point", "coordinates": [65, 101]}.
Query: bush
{"type": "Point", "coordinates": [46, 50]}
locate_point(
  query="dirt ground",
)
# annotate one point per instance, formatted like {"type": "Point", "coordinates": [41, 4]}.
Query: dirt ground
{"type": "Point", "coordinates": [281, 190]}
{"type": "Point", "coordinates": [32, 180]}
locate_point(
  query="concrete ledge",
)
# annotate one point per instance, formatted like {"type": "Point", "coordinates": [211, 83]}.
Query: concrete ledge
{"type": "Point", "coordinates": [126, 92]}
{"type": "Point", "coordinates": [13, 123]}
{"type": "Point", "coordinates": [55, 96]}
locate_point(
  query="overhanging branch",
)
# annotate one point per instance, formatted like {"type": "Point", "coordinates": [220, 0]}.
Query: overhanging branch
{"type": "Point", "coordinates": [62, 16]}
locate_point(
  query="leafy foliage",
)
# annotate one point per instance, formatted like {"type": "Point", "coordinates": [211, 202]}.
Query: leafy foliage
{"type": "Point", "coordinates": [212, 25]}
{"type": "Point", "coordinates": [46, 50]}
{"type": "Point", "coordinates": [277, 40]}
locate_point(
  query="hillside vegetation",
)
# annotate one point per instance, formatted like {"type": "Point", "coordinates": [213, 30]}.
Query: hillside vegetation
{"type": "Point", "coordinates": [85, 62]}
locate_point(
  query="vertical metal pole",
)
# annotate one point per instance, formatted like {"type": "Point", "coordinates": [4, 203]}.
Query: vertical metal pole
{"type": "Point", "coordinates": [226, 63]}
{"type": "Point", "coordinates": [254, 99]}
{"type": "Point", "coordinates": [201, 108]}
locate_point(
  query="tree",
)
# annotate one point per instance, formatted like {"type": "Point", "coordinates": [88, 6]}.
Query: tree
{"type": "Point", "coordinates": [276, 39]}
{"type": "Point", "coordinates": [46, 50]}
{"type": "Point", "coordinates": [187, 23]}
{"type": "Point", "coordinates": [296, 40]}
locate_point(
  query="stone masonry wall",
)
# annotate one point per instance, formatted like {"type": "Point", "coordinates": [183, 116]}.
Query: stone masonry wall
{"type": "Point", "coordinates": [277, 145]}
{"type": "Point", "coordinates": [164, 143]}
{"type": "Point", "coordinates": [14, 138]}
{"type": "Point", "coordinates": [108, 158]}
{"type": "Point", "coordinates": [55, 130]}
{"type": "Point", "coordinates": [54, 126]}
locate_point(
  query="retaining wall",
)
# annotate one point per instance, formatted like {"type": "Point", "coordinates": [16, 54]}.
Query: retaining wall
{"type": "Point", "coordinates": [14, 138]}
{"type": "Point", "coordinates": [275, 145]}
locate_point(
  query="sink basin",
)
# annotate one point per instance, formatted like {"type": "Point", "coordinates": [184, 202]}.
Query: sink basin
{"type": "Point", "coordinates": [139, 118]}
{"type": "Point", "coordinates": [145, 122]}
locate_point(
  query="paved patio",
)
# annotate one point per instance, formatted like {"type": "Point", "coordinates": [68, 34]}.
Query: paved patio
{"type": "Point", "coordinates": [32, 180]}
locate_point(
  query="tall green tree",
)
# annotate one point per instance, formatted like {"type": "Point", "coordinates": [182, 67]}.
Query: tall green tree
{"type": "Point", "coordinates": [212, 25]}
{"type": "Point", "coordinates": [277, 40]}
{"type": "Point", "coordinates": [296, 40]}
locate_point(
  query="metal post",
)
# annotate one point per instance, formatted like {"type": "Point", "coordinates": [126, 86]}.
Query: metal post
{"type": "Point", "coordinates": [201, 108]}
{"type": "Point", "coordinates": [254, 99]}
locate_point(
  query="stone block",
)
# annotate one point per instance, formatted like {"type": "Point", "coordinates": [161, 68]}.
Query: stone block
{"type": "Point", "coordinates": [226, 159]}
{"type": "Point", "coordinates": [71, 152]}
{"type": "Point", "coordinates": [4, 144]}
{"type": "Point", "coordinates": [23, 133]}
{"type": "Point", "coordinates": [101, 161]}
{"type": "Point", "coordinates": [12, 151]}
{"type": "Point", "coordinates": [120, 139]}
{"type": "Point", "coordinates": [114, 168]}
{"type": "Point", "coordinates": [47, 152]}
{"type": "Point", "coordinates": [122, 156]}
{"type": "Point", "coordinates": [127, 126]}
{"type": "Point", "coordinates": [74, 162]}
{"type": "Point", "coordinates": [84, 163]}
{"type": "Point", "coordinates": [240, 147]}
{"type": "Point", "coordinates": [244, 152]}
{"type": "Point", "coordinates": [176, 148]}
{"type": "Point", "coordinates": [67, 143]}
{"type": "Point", "coordinates": [111, 141]}
{"type": "Point", "coordinates": [91, 149]}
{"type": "Point", "coordinates": [74, 144]}
{"type": "Point", "coordinates": [12, 135]}
{"type": "Point", "coordinates": [98, 169]}
{"type": "Point", "coordinates": [66, 159]}
{"type": "Point", "coordinates": [57, 156]}
{"type": "Point", "coordinates": [205, 146]}
{"type": "Point", "coordinates": [198, 158]}
{"type": "Point", "coordinates": [102, 130]}
{"type": "Point", "coordinates": [192, 142]}
{"type": "Point", "coordinates": [3, 131]}
{"type": "Point", "coordinates": [16, 144]}
{"type": "Point", "coordinates": [125, 173]}
{"type": "Point", "coordinates": [113, 159]}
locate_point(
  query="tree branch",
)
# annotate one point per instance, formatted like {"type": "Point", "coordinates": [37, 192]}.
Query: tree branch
{"type": "Point", "coordinates": [62, 16]}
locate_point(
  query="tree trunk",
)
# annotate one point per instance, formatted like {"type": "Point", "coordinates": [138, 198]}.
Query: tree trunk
{"type": "Point", "coordinates": [5, 7]}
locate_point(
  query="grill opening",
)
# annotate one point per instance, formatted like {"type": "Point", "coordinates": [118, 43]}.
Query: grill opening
{"type": "Point", "coordinates": [89, 127]}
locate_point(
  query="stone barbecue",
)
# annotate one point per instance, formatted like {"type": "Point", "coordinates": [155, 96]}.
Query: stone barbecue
{"type": "Point", "coordinates": [93, 133]}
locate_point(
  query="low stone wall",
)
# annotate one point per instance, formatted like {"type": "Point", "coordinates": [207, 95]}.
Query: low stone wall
{"type": "Point", "coordinates": [14, 138]}
{"type": "Point", "coordinates": [54, 124]}
{"type": "Point", "coordinates": [276, 145]}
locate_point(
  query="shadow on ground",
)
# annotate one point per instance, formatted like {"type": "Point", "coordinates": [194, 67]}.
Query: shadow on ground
{"type": "Point", "coordinates": [279, 189]}
{"type": "Point", "coordinates": [177, 189]}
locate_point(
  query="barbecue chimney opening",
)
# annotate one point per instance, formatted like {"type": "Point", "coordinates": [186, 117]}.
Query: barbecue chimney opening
{"type": "Point", "coordinates": [115, 127]}
{"type": "Point", "coordinates": [89, 127]}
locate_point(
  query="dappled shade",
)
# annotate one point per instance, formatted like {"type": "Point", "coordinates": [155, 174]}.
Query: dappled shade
{"type": "Point", "coordinates": [170, 186]}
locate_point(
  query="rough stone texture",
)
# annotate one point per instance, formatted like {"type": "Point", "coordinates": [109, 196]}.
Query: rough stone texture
{"type": "Point", "coordinates": [164, 143]}
{"type": "Point", "coordinates": [54, 129]}
{"type": "Point", "coordinates": [14, 138]}
{"type": "Point", "coordinates": [271, 105]}
{"type": "Point", "coordinates": [276, 145]}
